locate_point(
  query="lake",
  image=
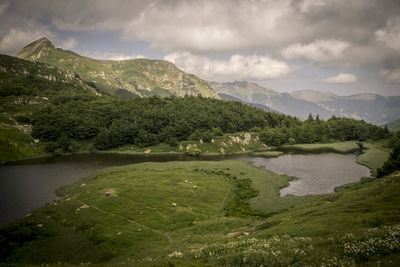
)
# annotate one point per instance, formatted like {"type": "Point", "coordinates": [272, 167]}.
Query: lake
{"type": "Point", "coordinates": [315, 173]}
{"type": "Point", "coordinates": [30, 184]}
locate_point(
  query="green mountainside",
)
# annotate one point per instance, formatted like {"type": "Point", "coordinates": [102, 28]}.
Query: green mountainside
{"type": "Point", "coordinates": [25, 89]}
{"type": "Point", "coordinates": [21, 77]}
{"type": "Point", "coordinates": [141, 77]}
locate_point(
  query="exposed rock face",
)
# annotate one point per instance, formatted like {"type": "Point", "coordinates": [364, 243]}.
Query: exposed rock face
{"type": "Point", "coordinates": [11, 67]}
{"type": "Point", "coordinates": [141, 77]}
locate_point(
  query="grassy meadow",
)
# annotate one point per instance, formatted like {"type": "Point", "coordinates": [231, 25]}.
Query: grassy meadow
{"type": "Point", "coordinates": [373, 157]}
{"type": "Point", "coordinates": [207, 213]}
{"type": "Point", "coordinates": [338, 147]}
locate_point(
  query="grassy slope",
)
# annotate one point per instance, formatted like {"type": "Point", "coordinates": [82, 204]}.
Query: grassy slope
{"type": "Point", "coordinates": [373, 157]}
{"type": "Point", "coordinates": [139, 76]}
{"type": "Point", "coordinates": [339, 147]}
{"type": "Point", "coordinates": [15, 144]}
{"type": "Point", "coordinates": [139, 222]}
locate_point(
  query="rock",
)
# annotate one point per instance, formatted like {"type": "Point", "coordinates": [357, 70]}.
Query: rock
{"type": "Point", "coordinates": [36, 141]}
{"type": "Point", "coordinates": [174, 204]}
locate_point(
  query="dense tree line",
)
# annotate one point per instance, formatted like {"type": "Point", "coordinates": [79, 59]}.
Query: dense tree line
{"type": "Point", "coordinates": [316, 130]}
{"type": "Point", "coordinates": [113, 122]}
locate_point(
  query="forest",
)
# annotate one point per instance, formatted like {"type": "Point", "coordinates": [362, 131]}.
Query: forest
{"type": "Point", "coordinates": [114, 122]}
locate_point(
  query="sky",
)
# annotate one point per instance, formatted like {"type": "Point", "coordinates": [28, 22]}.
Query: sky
{"type": "Point", "coordinates": [341, 46]}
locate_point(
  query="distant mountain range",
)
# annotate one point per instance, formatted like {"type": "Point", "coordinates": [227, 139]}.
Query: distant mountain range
{"type": "Point", "coordinates": [232, 98]}
{"type": "Point", "coordinates": [371, 108]}
{"type": "Point", "coordinates": [145, 77]}
{"type": "Point", "coordinates": [140, 77]}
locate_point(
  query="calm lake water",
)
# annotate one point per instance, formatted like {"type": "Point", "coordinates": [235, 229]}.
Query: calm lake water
{"type": "Point", "coordinates": [28, 185]}
{"type": "Point", "coordinates": [315, 173]}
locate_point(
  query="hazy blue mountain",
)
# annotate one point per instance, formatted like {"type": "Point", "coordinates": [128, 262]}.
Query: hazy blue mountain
{"type": "Point", "coordinates": [232, 98]}
{"type": "Point", "coordinates": [281, 102]}
{"type": "Point", "coordinates": [372, 108]}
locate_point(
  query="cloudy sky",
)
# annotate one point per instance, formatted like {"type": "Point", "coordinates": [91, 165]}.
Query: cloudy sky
{"type": "Point", "coordinates": [341, 46]}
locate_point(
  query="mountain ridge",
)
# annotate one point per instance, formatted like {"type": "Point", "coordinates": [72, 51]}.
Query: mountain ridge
{"type": "Point", "coordinates": [373, 108]}
{"type": "Point", "coordinates": [142, 77]}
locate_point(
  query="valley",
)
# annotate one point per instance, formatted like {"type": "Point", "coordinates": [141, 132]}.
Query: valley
{"type": "Point", "coordinates": [195, 177]}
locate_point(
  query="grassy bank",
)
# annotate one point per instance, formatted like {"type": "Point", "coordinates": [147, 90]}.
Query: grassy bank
{"type": "Point", "coordinates": [373, 157]}
{"type": "Point", "coordinates": [196, 213]}
{"type": "Point", "coordinates": [267, 154]}
{"type": "Point", "coordinates": [16, 145]}
{"type": "Point", "coordinates": [338, 147]}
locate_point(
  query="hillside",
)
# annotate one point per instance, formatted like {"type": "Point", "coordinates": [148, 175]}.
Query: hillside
{"type": "Point", "coordinates": [371, 108]}
{"type": "Point", "coordinates": [141, 77]}
{"type": "Point", "coordinates": [25, 88]}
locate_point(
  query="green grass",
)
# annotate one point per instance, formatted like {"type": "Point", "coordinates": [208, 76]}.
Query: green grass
{"type": "Point", "coordinates": [339, 147]}
{"type": "Point", "coordinates": [16, 145]}
{"type": "Point", "coordinates": [373, 157]}
{"type": "Point", "coordinates": [267, 154]}
{"type": "Point", "coordinates": [180, 212]}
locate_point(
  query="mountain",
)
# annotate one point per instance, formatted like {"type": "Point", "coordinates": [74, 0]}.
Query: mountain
{"type": "Point", "coordinates": [140, 77]}
{"type": "Point", "coordinates": [232, 98]}
{"type": "Point", "coordinates": [394, 126]}
{"type": "Point", "coordinates": [280, 102]}
{"type": "Point", "coordinates": [24, 78]}
{"type": "Point", "coordinates": [372, 108]}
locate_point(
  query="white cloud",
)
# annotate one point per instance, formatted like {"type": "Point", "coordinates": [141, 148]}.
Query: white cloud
{"type": "Point", "coordinates": [68, 44]}
{"type": "Point", "coordinates": [236, 67]}
{"type": "Point", "coordinates": [16, 38]}
{"type": "Point", "coordinates": [320, 50]}
{"type": "Point", "coordinates": [206, 26]}
{"type": "Point", "coordinates": [109, 55]}
{"type": "Point", "coordinates": [342, 78]}
{"type": "Point", "coordinates": [391, 75]}
{"type": "Point", "coordinates": [3, 7]}
{"type": "Point", "coordinates": [390, 35]}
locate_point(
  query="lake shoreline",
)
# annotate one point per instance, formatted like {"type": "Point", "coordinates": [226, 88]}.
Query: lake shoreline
{"type": "Point", "coordinates": [336, 147]}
